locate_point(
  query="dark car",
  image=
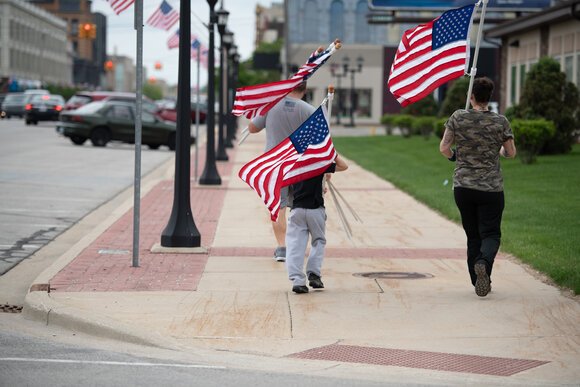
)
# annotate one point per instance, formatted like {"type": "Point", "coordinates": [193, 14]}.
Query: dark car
{"type": "Point", "coordinates": [13, 105]}
{"type": "Point", "coordinates": [170, 113]}
{"type": "Point", "coordinates": [45, 107]}
{"type": "Point", "coordinates": [105, 121]}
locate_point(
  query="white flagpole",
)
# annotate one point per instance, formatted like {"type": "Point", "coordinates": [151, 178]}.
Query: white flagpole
{"type": "Point", "coordinates": [474, 64]}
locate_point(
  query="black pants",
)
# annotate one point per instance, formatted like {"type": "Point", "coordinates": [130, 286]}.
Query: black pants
{"type": "Point", "coordinates": [481, 217]}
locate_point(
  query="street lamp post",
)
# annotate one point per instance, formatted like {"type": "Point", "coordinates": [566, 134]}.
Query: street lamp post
{"type": "Point", "coordinates": [229, 43]}
{"type": "Point", "coordinates": [181, 230]}
{"type": "Point", "coordinates": [334, 72]}
{"type": "Point", "coordinates": [233, 52]}
{"type": "Point", "coordinates": [210, 175]}
{"type": "Point", "coordinates": [222, 21]}
{"type": "Point", "coordinates": [347, 69]}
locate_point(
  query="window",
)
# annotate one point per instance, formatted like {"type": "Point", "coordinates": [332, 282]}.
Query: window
{"type": "Point", "coordinates": [362, 31]}
{"type": "Point", "coordinates": [336, 20]}
{"type": "Point", "coordinates": [578, 70]}
{"type": "Point", "coordinates": [310, 22]}
{"type": "Point", "coordinates": [569, 68]}
{"type": "Point", "coordinates": [513, 85]}
{"type": "Point", "coordinates": [120, 112]}
{"type": "Point", "coordinates": [70, 5]}
{"type": "Point", "coordinates": [522, 77]}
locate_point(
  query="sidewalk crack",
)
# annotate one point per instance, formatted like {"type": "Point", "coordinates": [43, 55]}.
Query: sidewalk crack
{"type": "Point", "coordinates": [379, 285]}
{"type": "Point", "coordinates": [290, 314]}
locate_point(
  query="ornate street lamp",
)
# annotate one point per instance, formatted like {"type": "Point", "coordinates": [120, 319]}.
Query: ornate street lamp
{"type": "Point", "coordinates": [222, 16]}
{"type": "Point", "coordinates": [228, 42]}
{"type": "Point", "coordinates": [181, 230]}
{"type": "Point", "coordinates": [347, 69]}
{"type": "Point", "coordinates": [210, 175]}
{"type": "Point", "coordinates": [232, 120]}
{"type": "Point", "coordinates": [334, 72]}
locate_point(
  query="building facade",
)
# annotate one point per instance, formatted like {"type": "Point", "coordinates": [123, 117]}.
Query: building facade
{"type": "Point", "coordinates": [33, 47]}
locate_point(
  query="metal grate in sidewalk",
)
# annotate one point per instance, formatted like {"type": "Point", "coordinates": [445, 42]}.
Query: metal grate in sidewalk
{"type": "Point", "coordinates": [438, 361]}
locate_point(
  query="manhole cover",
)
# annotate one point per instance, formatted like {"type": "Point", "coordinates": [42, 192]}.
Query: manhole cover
{"type": "Point", "coordinates": [10, 308]}
{"type": "Point", "coordinates": [394, 275]}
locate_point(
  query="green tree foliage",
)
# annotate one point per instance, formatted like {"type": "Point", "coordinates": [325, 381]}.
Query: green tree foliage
{"type": "Point", "coordinates": [65, 91]}
{"type": "Point", "coordinates": [248, 76]}
{"type": "Point", "coordinates": [547, 94]}
{"type": "Point", "coordinates": [531, 136]}
{"type": "Point", "coordinates": [152, 91]}
{"type": "Point", "coordinates": [456, 97]}
{"type": "Point", "coordinates": [424, 107]}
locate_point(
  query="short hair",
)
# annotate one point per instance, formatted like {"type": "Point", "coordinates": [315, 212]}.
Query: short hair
{"type": "Point", "coordinates": [301, 87]}
{"type": "Point", "coordinates": [482, 89]}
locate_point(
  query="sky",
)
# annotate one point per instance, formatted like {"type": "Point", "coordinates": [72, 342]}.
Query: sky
{"type": "Point", "coordinates": [122, 37]}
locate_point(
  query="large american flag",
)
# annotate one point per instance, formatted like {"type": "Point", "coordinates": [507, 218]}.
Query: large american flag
{"type": "Point", "coordinates": [430, 55]}
{"type": "Point", "coordinates": [306, 153]}
{"type": "Point", "coordinates": [120, 5]}
{"type": "Point", "coordinates": [164, 17]}
{"type": "Point", "coordinates": [256, 100]}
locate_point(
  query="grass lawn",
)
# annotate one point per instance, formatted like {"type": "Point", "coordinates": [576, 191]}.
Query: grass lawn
{"type": "Point", "coordinates": [541, 221]}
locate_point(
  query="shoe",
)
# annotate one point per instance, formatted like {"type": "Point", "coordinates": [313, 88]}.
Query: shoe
{"type": "Point", "coordinates": [482, 284]}
{"type": "Point", "coordinates": [314, 281]}
{"type": "Point", "coordinates": [280, 254]}
{"type": "Point", "coordinates": [300, 289]}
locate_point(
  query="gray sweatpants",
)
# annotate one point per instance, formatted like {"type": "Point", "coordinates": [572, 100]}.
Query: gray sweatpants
{"type": "Point", "coordinates": [301, 223]}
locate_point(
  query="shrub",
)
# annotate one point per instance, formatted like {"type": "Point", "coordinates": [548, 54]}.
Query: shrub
{"type": "Point", "coordinates": [439, 127]}
{"type": "Point", "coordinates": [388, 120]}
{"type": "Point", "coordinates": [530, 136]}
{"type": "Point", "coordinates": [423, 125]}
{"type": "Point", "coordinates": [455, 97]}
{"type": "Point", "coordinates": [405, 123]}
{"type": "Point", "coordinates": [424, 107]}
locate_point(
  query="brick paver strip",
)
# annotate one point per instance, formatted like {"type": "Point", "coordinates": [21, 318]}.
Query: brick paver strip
{"type": "Point", "coordinates": [439, 361]}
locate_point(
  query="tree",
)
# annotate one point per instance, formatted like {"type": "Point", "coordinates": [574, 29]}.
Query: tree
{"type": "Point", "coordinates": [547, 94]}
{"type": "Point", "coordinates": [456, 97]}
{"type": "Point", "coordinates": [424, 107]}
{"type": "Point", "coordinates": [152, 91]}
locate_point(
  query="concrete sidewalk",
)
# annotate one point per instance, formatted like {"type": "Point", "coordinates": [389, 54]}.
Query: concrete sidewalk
{"type": "Point", "coordinates": [398, 304]}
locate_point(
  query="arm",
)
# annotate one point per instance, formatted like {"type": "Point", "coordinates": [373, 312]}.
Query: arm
{"type": "Point", "coordinates": [253, 128]}
{"type": "Point", "coordinates": [341, 165]}
{"type": "Point", "coordinates": [446, 142]}
{"type": "Point", "coordinates": [508, 149]}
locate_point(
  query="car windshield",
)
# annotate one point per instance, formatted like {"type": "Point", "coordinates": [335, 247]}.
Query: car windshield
{"type": "Point", "coordinates": [15, 98]}
{"type": "Point", "coordinates": [90, 108]}
{"type": "Point", "coordinates": [55, 99]}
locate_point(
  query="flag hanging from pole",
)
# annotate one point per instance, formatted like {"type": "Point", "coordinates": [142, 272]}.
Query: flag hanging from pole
{"type": "Point", "coordinates": [431, 55]}
{"type": "Point", "coordinates": [164, 17]}
{"type": "Point", "coordinates": [306, 153]}
{"type": "Point", "coordinates": [120, 5]}
{"type": "Point", "coordinates": [256, 100]}
{"type": "Point", "coordinates": [173, 41]}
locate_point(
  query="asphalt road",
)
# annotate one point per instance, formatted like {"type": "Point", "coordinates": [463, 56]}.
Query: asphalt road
{"type": "Point", "coordinates": [47, 184]}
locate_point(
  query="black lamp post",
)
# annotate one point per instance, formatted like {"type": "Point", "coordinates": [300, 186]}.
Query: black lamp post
{"type": "Point", "coordinates": [222, 21]}
{"type": "Point", "coordinates": [181, 230]}
{"type": "Point", "coordinates": [210, 175]}
{"type": "Point", "coordinates": [228, 42]}
{"type": "Point", "coordinates": [347, 69]}
{"type": "Point", "coordinates": [333, 71]}
{"type": "Point", "coordinates": [233, 52]}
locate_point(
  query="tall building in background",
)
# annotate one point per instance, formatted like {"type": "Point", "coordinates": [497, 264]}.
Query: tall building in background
{"type": "Point", "coordinates": [33, 47]}
{"type": "Point", "coordinates": [87, 35]}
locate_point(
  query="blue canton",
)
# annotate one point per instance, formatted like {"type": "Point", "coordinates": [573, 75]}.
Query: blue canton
{"type": "Point", "coordinates": [312, 131]}
{"type": "Point", "coordinates": [452, 26]}
{"type": "Point", "coordinates": [165, 7]}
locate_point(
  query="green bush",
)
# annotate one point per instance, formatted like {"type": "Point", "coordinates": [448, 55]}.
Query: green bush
{"type": "Point", "coordinates": [424, 107]}
{"type": "Point", "coordinates": [439, 127]}
{"type": "Point", "coordinates": [405, 123]}
{"type": "Point", "coordinates": [530, 136]}
{"type": "Point", "coordinates": [455, 97]}
{"type": "Point", "coordinates": [423, 125]}
{"type": "Point", "coordinates": [388, 120]}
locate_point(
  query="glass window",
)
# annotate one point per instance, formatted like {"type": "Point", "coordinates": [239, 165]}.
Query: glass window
{"type": "Point", "coordinates": [363, 102]}
{"type": "Point", "coordinates": [362, 31]}
{"type": "Point", "coordinates": [336, 20]}
{"type": "Point", "coordinates": [569, 68]}
{"type": "Point", "coordinates": [522, 76]}
{"type": "Point", "coordinates": [120, 111]}
{"type": "Point", "coordinates": [513, 85]}
{"type": "Point", "coordinates": [147, 117]}
{"type": "Point", "coordinates": [310, 21]}
{"type": "Point", "coordinates": [70, 5]}
{"type": "Point", "coordinates": [578, 70]}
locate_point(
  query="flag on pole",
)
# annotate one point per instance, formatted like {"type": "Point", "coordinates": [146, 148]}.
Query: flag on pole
{"type": "Point", "coordinates": [431, 55]}
{"type": "Point", "coordinates": [164, 17]}
{"type": "Point", "coordinates": [120, 5]}
{"type": "Point", "coordinates": [306, 153]}
{"type": "Point", "coordinates": [173, 41]}
{"type": "Point", "coordinates": [256, 100]}
{"type": "Point", "coordinates": [194, 46]}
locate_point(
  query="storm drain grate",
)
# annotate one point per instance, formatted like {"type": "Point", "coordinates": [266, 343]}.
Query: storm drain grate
{"type": "Point", "coordinates": [5, 308]}
{"type": "Point", "coordinates": [393, 275]}
{"type": "Point", "coordinates": [438, 361]}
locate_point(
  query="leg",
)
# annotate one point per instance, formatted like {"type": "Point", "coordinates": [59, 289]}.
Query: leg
{"type": "Point", "coordinates": [297, 237]}
{"type": "Point", "coordinates": [469, 219]}
{"type": "Point", "coordinates": [279, 226]}
{"type": "Point", "coordinates": [490, 214]}
{"type": "Point", "coordinates": [316, 220]}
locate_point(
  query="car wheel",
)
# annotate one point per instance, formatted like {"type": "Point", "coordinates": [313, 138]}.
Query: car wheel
{"type": "Point", "coordinates": [100, 136]}
{"type": "Point", "coordinates": [171, 142]}
{"type": "Point", "coordinates": [153, 146]}
{"type": "Point", "coordinates": [27, 122]}
{"type": "Point", "coordinates": [35, 122]}
{"type": "Point", "coordinates": [78, 140]}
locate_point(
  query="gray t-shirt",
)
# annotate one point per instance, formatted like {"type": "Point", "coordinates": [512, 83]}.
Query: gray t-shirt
{"type": "Point", "coordinates": [479, 136]}
{"type": "Point", "coordinates": [283, 119]}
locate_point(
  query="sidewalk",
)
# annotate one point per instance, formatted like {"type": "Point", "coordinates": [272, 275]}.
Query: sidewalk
{"type": "Point", "coordinates": [397, 304]}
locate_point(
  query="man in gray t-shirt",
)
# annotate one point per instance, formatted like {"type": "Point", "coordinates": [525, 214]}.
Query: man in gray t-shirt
{"type": "Point", "coordinates": [283, 119]}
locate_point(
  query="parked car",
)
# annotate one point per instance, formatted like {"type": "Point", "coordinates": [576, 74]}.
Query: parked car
{"type": "Point", "coordinates": [13, 105]}
{"type": "Point", "coordinates": [43, 107]}
{"type": "Point", "coordinates": [84, 97]}
{"type": "Point", "coordinates": [105, 121]}
{"type": "Point", "coordinates": [170, 112]}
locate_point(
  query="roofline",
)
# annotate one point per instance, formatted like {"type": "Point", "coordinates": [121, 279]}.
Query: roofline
{"type": "Point", "coordinates": [560, 12]}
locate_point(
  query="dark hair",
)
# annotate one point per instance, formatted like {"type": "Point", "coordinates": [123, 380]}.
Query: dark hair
{"type": "Point", "coordinates": [482, 89]}
{"type": "Point", "coordinates": [301, 87]}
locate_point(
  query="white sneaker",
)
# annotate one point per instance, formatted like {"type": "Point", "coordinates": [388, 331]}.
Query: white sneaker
{"type": "Point", "coordinates": [280, 254]}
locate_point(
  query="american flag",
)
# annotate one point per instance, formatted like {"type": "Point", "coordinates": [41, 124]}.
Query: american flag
{"type": "Point", "coordinates": [306, 153]}
{"type": "Point", "coordinates": [165, 17]}
{"type": "Point", "coordinates": [202, 52]}
{"type": "Point", "coordinates": [430, 55]}
{"type": "Point", "coordinates": [257, 100]}
{"type": "Point", "coordinates": [173, 41]}
{"type": "Point", "coordinates": [120, 5]}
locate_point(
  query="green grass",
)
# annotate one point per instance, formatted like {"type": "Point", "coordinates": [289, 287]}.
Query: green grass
{"type": "Point", "coordinates": [541, 221]}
